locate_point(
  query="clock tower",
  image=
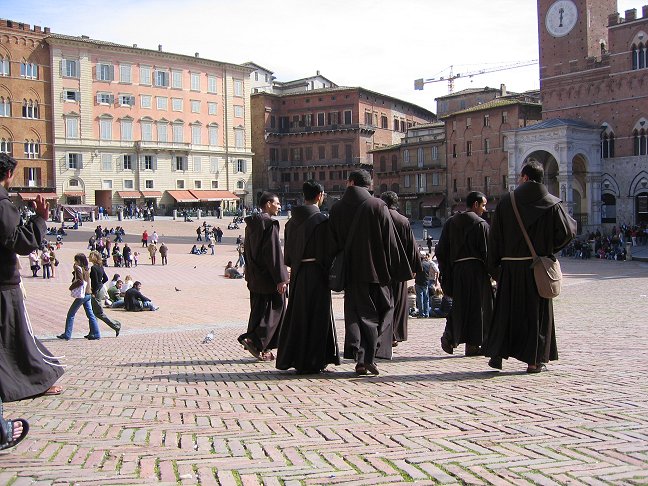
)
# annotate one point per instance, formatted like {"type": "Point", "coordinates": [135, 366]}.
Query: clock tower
{"type": "Point", "coordinates": [569, 32]}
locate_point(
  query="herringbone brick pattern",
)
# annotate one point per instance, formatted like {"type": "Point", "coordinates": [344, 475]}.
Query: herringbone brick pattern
{"type": "Point", "coordinates": [156, 406]}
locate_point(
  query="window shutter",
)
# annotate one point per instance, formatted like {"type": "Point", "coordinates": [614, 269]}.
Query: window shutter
{"type": "Point", "coordinates": [63, 96]}
{"type": "Point", "coordinates": [154, 163]}
{"type": "Point", "coordinates": [77, 96]}
{"type": "Point", "coordinates": [111, 75]}
{"type": "Point", "coordinates": [80, 166]}
{"type": "Point", "coordinates": [98, 98]}
{"type": "Point", "coordinates": [111, 99]}
{"type": "Point", "coordinates": [63, 67]}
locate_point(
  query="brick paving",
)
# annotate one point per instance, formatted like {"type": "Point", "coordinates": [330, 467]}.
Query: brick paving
{"type": "Point", "coordinates": [156, 406]}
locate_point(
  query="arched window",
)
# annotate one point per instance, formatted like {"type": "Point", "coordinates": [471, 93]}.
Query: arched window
{"type": "Point", "coordinates": [383, 163]}
{"type": "Point", "coordinates": [30, 109]}
{"type": "Point", "coordinates": [4, 66]}
{"type": "Point", "coordinates": [635, 57]}
{"type": "Point", "coordinates": [639, 54]}
{"type": "Point", "coordinates": [395, 187]}
{"type": "Point", "coordinates": [640, 145]}
{"type": "Point", "coordinates": [5, 106]}
{"type": "Point", "coordinates": [5, 146]}
{"type": "Point", "coordinates": [394, 163]}
{"type": "Point", "coordinates": [240, 185]}
{"type": "Point", "coordinates": [32, 149]}
{"type": "Point", "coordinates": [607, 144]}
{"type": "Point", "coordinates": [28, 70]}
{"type": "Point", "coordinates": [383, 188]}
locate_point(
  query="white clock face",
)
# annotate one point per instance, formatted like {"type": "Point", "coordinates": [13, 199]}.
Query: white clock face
{"type": "Point", "coordinates": [561, 18]}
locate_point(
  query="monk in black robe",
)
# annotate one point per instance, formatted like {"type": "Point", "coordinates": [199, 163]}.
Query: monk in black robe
{"type": "Point", "coordinates": [523, 322]}
{"type": "Point", "coordinates": [399, 289]}
{"type": "Point", "coordinates": [461, 253]}
{"type": "Point", "coordinates": [26, 366]}
{"type": "Point", "coordinates": [375, 259]}
{"type": "Point", "coordinates": [266, 277]}
{"type": "Point", "coordinates": [308, 341]}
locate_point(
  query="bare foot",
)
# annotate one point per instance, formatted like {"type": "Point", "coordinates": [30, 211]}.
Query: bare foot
{"type": "Point", "coordinates": [17, 429]}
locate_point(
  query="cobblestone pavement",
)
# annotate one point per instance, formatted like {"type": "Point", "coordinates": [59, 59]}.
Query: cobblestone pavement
{"type": "Point", "coordinates": [156, 406]}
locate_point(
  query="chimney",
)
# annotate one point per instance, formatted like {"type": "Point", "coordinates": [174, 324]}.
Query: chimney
{"type": "Point", "coordinates": [47, 30]}
{"type": "Point", "coordinates": [613, 19]}
{"type": "Point", "coordinates": [85, 37]}
{"type": "Point", "coordinates": [318, 72]}
{"type": "Point", "coordinates": [160, 47]}
{"type": "Point", "coordinates": [135, 46]}
{"type": "Point", "coordinates": [644, 11]}
{"type": "Point", "coordinates": [631, 14]}
{"type": "Point", "coordinates": [502, 89]}
{"type": "Point", "coordinates": [197, 54]}
{"type": "Point", "coordinates": [37, 28]}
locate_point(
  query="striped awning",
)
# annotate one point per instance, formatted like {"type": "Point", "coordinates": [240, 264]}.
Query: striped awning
{"type": "Point", "coordinates": [129, 194]}
{"type": "Point", "coordinates": [183, 196]}
{"type": "Point", "coordinates": [207, 196]}
{"type": "Point", "coordinates": [30, 196]}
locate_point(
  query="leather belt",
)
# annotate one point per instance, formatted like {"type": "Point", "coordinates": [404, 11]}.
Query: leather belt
{"type": "Point", "coordinates": [516, 259]}
{"type": "Point", "coordinates": [308, 260]}
{"type": "Point", "coordinates": [466, 259]}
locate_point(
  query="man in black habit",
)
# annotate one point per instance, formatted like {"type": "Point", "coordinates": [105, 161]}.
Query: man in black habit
{"type": "Point", "coordinates": [308, 340]}
{"type": "Point", "coordinates": [523, 322]}
{"type": "Point", "coordinates": [266, 277]}
{"type": "Point", "coordinates": [26, 366]}
{"type": "Point", "coordinates": [399, 289]}
{"type": "Point", "coordinates": [461, 253]}
{"type": "Point", "coordinates": [376, 259]}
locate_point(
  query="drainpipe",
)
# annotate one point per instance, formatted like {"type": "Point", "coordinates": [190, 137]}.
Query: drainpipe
{"type": "Point", "coordinates": [226, 128]}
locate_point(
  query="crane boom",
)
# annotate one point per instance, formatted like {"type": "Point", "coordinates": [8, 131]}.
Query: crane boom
{"type": "Point", "coordinates": [420, 83]}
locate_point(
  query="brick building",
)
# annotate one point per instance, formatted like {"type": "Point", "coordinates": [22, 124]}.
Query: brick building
{"type": "Point", "coordinates": [593, 140]}
{"type": "Point", "coordinates": [136, 126]}
{"type": "Point", "coordinates": [323, 134]}
{"type": "Point", "coordinates": [415, 169]}
{"type": "Point", "coordinates": [26, 108]}
{"type": "Point", "coordinates": [475, 145]}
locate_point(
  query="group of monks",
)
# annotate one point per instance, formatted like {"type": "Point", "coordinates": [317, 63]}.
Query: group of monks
{"type": "Point", "coordinates": [487, 270]}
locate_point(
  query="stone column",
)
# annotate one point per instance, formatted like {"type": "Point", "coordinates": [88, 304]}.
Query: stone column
{"type": "Point", "coordinates": [594, 196]}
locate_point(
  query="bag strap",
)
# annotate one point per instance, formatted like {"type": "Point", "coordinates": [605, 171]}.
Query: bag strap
{"type": "Point", "coordinates": [524, 231]}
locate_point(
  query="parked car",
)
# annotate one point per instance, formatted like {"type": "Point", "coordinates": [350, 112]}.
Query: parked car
{"type": "Point", "coordinates": [432, 222]}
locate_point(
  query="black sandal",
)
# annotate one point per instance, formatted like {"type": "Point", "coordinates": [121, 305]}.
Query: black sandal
{"type": "Point", "coordinates": [6, 432]}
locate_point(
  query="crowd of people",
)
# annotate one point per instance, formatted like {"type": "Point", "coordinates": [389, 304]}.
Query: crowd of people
{"type": "Point", "coordinates": [484, 283]}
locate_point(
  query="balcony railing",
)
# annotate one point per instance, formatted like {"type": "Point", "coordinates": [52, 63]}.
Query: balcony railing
{"type": "Point", "coordinates": [297, 164]}
{"type": "Point", "coordinates": [316, 129]}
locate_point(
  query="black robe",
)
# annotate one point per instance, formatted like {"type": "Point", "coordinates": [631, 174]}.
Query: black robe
{"type": "Point", "coordinates": [264, 270]}
{"type": "Point", "coordinates": [24, 371]}
{"type": "Point", "coordinates": [399, 289]}
{"type": "Point", "coordinates": [308, 341]}
{"type": "Point", "coordinates": [465, 238]}
{"type": "Point", "coordinates": [376, 258]}
{"type": "Point", "coordinates": [523, 322]}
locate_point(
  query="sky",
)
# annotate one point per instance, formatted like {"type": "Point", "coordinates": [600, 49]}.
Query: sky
{"type": "Point", "coordinates": [381, 45]}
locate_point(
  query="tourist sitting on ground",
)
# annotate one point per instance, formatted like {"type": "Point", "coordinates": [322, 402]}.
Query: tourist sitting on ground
{"type": "Point", "coordinates": [116, 295]}
{"type": "Point", "coordinates": [135, 301]}
{"type": "Point", "coordinates": [203, 250]}
{"type": "Point", "coordinates": [440, 304]}
{"type": "Point", "coordinates": [231, 272]}
{"type": "Point", "coordinates": [195, 250]}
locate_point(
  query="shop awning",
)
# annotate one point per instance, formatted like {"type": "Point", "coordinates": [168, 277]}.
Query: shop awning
{"type": "Point", "coordinates": [183, 196]}
{"type": "Point", "coordinates": [433, 201]}
{"type": "Point", "coordinates": [74, 193]}
{"type": "Point", "coordinates": [129, 194]}
{"type": "Point", "coordinates": [30, 196]}
{"type": "Point", "coordinates": [206, 196]}
{"type": "Point", "coordinates": [151, 194]}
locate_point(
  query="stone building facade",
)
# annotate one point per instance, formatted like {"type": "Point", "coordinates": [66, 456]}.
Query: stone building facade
{"type": "Point", "coordinates": [323, 134]}
{"type": "Point", "coordinates": [476, 141]}
{"type": "Point", "coordinates": [416, 170]}
{"type": "Point", "coordinates": [135, 126]}
{"type": "Point", "coordinates": [594, 138]}
{"type": "Point", "coordinates": [25, 108]}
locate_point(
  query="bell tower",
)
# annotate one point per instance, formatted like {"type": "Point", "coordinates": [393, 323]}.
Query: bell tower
{"type": "Point", "coordinates": [570, 32]}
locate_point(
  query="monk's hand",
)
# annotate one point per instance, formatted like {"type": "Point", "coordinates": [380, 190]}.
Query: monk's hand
{"type": "Point", "coordinates": [42, 207]}
{"type": "Point", "coordinates": [281, 287]}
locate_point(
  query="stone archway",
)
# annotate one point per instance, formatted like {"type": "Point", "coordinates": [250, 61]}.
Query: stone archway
{"type": "Point", "coordinates": [550, 165]}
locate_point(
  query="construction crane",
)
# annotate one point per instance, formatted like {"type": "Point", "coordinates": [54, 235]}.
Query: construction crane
{"type": "Point", "coordinates": [420, 83]}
